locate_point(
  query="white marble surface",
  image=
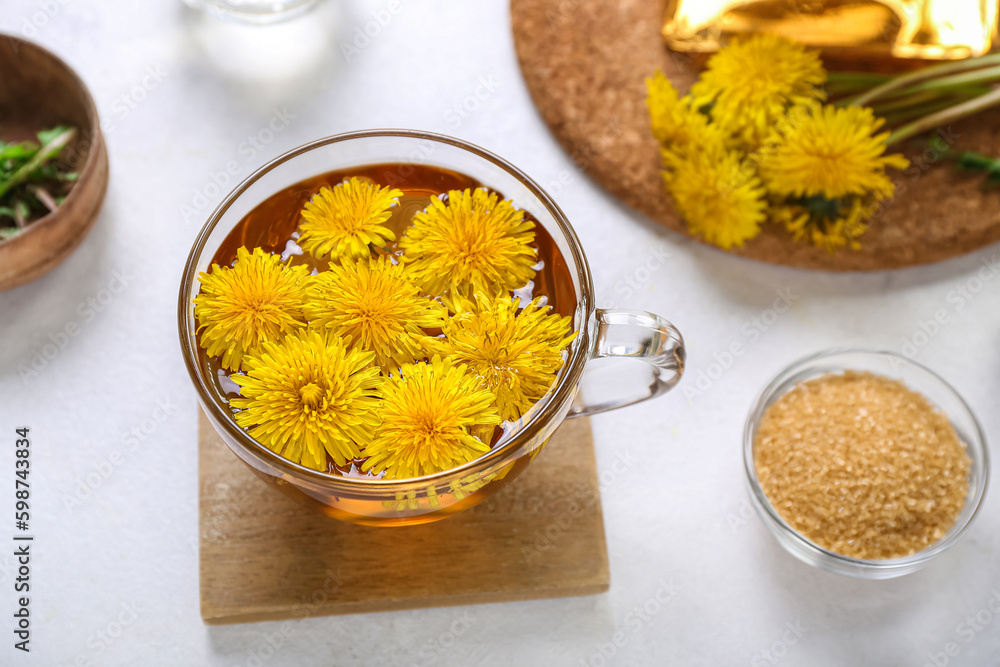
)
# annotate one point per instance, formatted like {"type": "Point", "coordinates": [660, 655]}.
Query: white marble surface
{"type": "Point", "coordinates": [129, 543]}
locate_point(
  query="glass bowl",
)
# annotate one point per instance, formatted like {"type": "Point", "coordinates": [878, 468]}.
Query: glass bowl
{"type": "Point", "coordinates": [632, 336]}
{"type": "Point", "coordinates": [918, 378]}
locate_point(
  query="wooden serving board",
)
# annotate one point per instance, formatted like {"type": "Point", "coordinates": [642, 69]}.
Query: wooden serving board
{"type": "Point", "coordinates": [265, 558]}
{"type": "Point", "coordinates": [585, 62]}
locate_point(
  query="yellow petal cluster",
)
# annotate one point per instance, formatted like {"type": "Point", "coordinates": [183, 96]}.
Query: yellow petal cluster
{"type": "Point", "coordinates": [310, 396]}
{"type": "Point", "coordinates": [427, 416]}
{"type": "Point", "coordinates": [469, 242]}
{"type": "Point", "coordinates": [677, 123]}
{"type": "Point", "coordinates": [258, 299]}
{"type": "Point", "coordinates": [513, 352]}
{"type": "Point", "coordinates": [348, 219]}
{"type": "Point", "coordinates": [375, 303]}
{"type": "Point", "coordinates": [719, 195]}
{"type": "Point", "coordinates": [839, 225]}
{"type": "Point", "coordinates": [828, 151]}
{"type": "Point", "coordinates": [753, 143]}
{"type": "Point", "coordinates": [360, 363]}
{"type": "Point", "coordinates": [750, 84]}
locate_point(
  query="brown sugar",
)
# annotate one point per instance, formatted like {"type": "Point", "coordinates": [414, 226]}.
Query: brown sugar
{"type": "Point", "coordinates": [861, 465]}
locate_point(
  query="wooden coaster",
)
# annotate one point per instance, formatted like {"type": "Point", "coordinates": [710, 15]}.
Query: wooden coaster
{"type": "Point", "coordinates": [585, 62]}
{"type": "Point", "coordinates": [265, 558]}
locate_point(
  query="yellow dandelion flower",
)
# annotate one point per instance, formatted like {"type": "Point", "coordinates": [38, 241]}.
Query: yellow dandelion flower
{"type": "Point", "coordinates": [828, 224]}
{"type": "Point", "coordinates": [471, 243]}
{"type": "Point", "coordinates": [750, 84]}
{"type": "Point", "coordinates": [346, 220]}
{"type": "Point", "coordinates": [427, 414]}
{"type": "Point", "coordinates": [828, 151]}
{"type": "Point", "coordinates": [308, 396]}
{"type": "Point", "coordinates": [514, 353]}
{"type": "Point", "coordinates": [259, 299]}
{"type": "Point", "coordinates": [374, 303]}
{"type": "Point", "coordinates": [719, 195]}
{"type": "Point", "coordinates": [676, 124]}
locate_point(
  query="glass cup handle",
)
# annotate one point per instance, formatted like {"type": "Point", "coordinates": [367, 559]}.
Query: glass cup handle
{"type": "Point", "coordinates": [634, 334]}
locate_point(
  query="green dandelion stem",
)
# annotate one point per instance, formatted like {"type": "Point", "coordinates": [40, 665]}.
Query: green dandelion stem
{"type": "Point", "coordinates": [959, 93]}
{"type": "Point", "coordinates": [984, 75]}
{"type": "Point", "coordinates": [905, 115]}
{"type": "Point", "coordinates": [914, 100]}
{"type": "Point", "coordinates": [925, 74]}
{"type": "Point", "coordinates": [949, 115]}
{"type": "Point", "coordinates": [841, 83]}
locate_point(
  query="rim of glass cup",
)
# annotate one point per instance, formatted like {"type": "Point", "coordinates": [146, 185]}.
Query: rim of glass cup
{"type": "Point", "coordinates": [544, 410]}
{"type": "Point", "coordinates": [796, 372]}
{"type": "Point", "coordinates": [227, 11]}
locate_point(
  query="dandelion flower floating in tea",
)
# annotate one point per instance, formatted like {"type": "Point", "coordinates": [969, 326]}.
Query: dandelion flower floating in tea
{"type": "Point", "coordinates": [748, 86]}
{"type": "Point", "coordinates": [471, 243]}
{"type": "Point", "coordinates": [309, 396]}
{"type": "Point", "coordinates": [374, 303]}
{"type": "Point", "coordinates": [259, 299]}
{"type": "Point", "coordinates": [514, 353]}
{"type": "Point", "coordinates": [361, 361]}
{"type": "Point", "coordinates": [427, 415]}
{"type": "Point", "coordinates": [346, 220]}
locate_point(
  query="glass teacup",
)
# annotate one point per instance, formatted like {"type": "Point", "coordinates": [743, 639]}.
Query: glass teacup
{"type": "Point", "coordinates": [601, 333]}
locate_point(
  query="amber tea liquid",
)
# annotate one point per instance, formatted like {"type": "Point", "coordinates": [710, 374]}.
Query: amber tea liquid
{"type": "Point", "coordinates": [271, 224]}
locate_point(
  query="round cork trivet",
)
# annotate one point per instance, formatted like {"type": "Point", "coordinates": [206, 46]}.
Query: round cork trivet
{"type": "Point", "coordinates": [585, 63]}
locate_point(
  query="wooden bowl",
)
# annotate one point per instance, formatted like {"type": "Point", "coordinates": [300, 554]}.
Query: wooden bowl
{"type": "Point", "coordinates": [37, 92]}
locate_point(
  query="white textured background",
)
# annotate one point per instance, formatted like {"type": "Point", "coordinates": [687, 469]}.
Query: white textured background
{"type": "Point", "coordinates": [671, 517]}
